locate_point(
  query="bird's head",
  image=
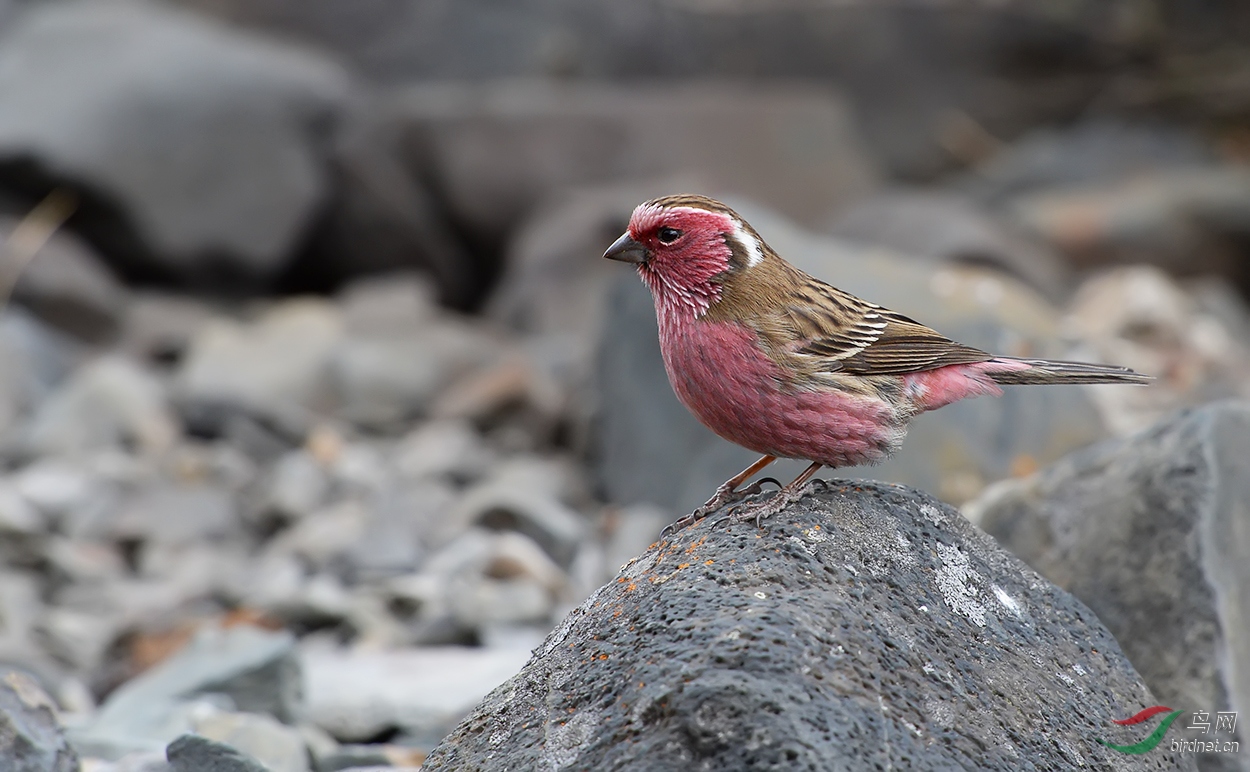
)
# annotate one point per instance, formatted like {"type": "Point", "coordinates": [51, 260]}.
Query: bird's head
{"type": "Point", "coordinates": [686, 247]}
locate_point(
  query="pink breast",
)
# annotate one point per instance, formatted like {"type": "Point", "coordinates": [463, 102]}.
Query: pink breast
{"type": "Point", "coordinates": [730, 385]}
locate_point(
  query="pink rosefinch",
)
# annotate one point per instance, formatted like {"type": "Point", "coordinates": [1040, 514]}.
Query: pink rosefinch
{"type": "Point", "coordinates": [790, 367]}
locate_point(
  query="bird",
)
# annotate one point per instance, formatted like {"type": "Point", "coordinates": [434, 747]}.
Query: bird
{"type": "Point", "coordinates": [789, 366]}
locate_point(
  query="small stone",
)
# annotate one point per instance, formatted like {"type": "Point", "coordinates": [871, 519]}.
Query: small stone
{"type": "Point", "coordinates": [159, 327]}
{"type": "Point", "coordinates": [31, 736]}
{"type": "Point", "coordinates": [443, 448]}
{"type": "Point", "coordinates": [484, 602]}
{"type": "Point", "coordinates": [192, 753]}
{"type": "Point", "coordinates": [523, 496]}
{"type": "Point", "coordinates": [171, 514]}
{"type": "Point", "coordinates": [17, 516]}
{"type": "Point", "coordinates": [380, 757]}
{"type": "Point", "coordinates": [325, 535]}
{"type": "Point", "coordinates": [139, 761]}
{"type": "Point", "coordinates": [392, 304]}
{"type": "Point", "coordinates": [358, 695]}
{"type": "Point", "coordinates": [21, 606]}
{"type": "Point", "coordinates": [278, 747]}
{"type": "Point", "coordinates": [297, 485]}
{"type": "Point", "coordinates": [79, 638]}
{"type": "Point", "coordinates": [57, 487]}
{"type": "Point", "coordinates": [382, 380]}
{"type": "Point", "coordinates": [279, 361]}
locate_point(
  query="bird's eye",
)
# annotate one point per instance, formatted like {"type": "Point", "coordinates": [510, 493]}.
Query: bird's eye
{"type": "Point", "coordinates": [668, 235]}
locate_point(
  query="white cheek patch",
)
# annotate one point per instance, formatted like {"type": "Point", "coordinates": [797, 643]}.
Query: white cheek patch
{"type": "Point", "coordinates": [755, 255]}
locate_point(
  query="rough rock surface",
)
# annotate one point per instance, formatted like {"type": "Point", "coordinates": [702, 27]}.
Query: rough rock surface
{"type": "Point", "coordinates": [31, 736]}
{"type": "Point", "coordinates": [1151, 533]}
{"type": "Point", "coordinates": [866, 627]}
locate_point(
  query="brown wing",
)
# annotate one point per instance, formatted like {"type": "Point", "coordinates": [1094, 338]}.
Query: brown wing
{"type": "Point", "coordinates": [837, 332]}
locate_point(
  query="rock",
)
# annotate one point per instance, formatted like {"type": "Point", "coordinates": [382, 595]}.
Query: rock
{"type": "Point", "coordinates": [296, 486]}
{"type": "Point", "coordinates": [387, 305]}
{"type": "Point", "coordinates": [323, 537]}
{"type": "Point", "coordinates": [20, 609]}
{"type": "Point", "coordinates": [192, 753]}
{"type": "Point", "coordinates": [79, 637]}
{"type": "Point", "coordinates": [38, 359]}
{"type": "Point", "coordinates": [109, 98]}
{"type": "Point", "coordinates": [278, 747]}
{"type": "Point", "coordinates": [524, 496]}
{"type": "Point", "coordinates": [1085, 153]}
{"type": "Point", "coordinates": [650, 449]}
{"type": "Point", "coordinates": [141, 761]}
{"type": "Point", "coordinates": [941, 227]}
{"type": "Point", "coordinates": [375, 756]}
{"type": "Point", "coordinates": [1148, 531]}
{"type": "Point", "coordinates": [69, 287]}
{"type": "Point", "coordinates": [31, 736]}
{"type": "Point", "coordinates": [274, 366]}
{"type": "Point", "coordinates": [359, 695]}
{"type": "Point", "coordinates": [380, 218]}
{"type": "Point", "coordinates": [172, 515]}
{"type": "Point", "coordinates": [494, 149]}
{"type": "Point", "coordinates": [160, 327]}
{"type": "Point", "coordinates": [243, 668]}
{"type": "Point", "coordinates": [868, 626]}
{"type": "Point", "coordinates": [110, 402]}
{"type": "Point", "coordinates": [18, 518]}
{"type": "Point", "coordinates": [1189, 221]}
{"type": "Point", "coordinates": [62, 489]}
{"type": "Point", "coordinates": [481, 580]}
{"type": "Point", "coordinates": [934, 85]}
{"type": "Point", "coordinates": [448, 448]}
{"type": "Point", "coordinates": [1140, 317]}
{"type": "Point", "coordinates": [383, 381]}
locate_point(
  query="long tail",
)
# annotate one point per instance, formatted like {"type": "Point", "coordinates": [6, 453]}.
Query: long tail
{"type": "Point", "coordinates": [1021, 372]}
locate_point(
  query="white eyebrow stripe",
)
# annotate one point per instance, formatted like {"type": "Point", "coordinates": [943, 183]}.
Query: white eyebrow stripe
{"type": "Point", "coordinates": [755, 255]}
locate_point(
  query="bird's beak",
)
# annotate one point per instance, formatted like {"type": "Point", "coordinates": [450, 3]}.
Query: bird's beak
{"type": "Point", "coordinates": [627, 250]}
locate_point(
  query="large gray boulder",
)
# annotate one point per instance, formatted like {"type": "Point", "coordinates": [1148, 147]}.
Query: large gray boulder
{"type": "Point", "coordinates": [869, 626]}
{"type": "Point", "coordinates": [1151, 533]}
{"type": "Point", "coordinates": [493, 151]}
{"type": "Point", "coordinates": [201, 146]}
{"type": "Point", "coordinates": [936, 83]}
{"type": "Point", "coordinates": [651, 449]}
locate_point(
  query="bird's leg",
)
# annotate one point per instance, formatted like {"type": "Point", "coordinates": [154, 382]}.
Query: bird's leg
{"type": "Point", "coordinates": [727, 493]}
{"type": "Point", "coordinates": [797, 489]}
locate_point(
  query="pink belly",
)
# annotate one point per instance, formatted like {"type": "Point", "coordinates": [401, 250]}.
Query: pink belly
{"type": "Point", "coordinates": [720, 374]}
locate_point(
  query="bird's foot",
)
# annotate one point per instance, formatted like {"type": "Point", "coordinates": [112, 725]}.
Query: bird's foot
{"type": "Point", "coordinates": [724, 496]}
{"type": "Point", "coordinates": [758, 510]}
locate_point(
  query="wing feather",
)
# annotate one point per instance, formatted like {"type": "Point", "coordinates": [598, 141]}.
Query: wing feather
{"type": "Point", "coordinates": [834, 331]}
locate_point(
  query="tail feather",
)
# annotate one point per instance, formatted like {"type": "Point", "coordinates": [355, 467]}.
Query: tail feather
{"type": "Point", "coordinates": [1046, 371]}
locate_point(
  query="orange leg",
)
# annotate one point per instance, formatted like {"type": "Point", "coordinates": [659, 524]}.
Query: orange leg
{"type": "Point", "coordinates": [727, 493]}
{"type": "Point", "coordinates": [791, 493]}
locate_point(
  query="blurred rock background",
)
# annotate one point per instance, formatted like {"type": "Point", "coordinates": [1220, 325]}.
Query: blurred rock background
{"type": "Point", "coordinates": [318, 407]}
